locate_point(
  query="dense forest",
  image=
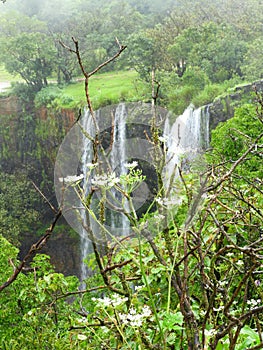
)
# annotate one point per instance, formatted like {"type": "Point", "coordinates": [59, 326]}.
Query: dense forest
{"type": "Point", "coordinates": [188, 273]}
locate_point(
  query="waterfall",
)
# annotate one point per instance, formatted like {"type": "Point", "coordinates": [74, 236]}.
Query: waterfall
{"type": "Point", "coordinates": [185, 137]}
{"type": "Point", "coordinates": [85, 243]}
{"type": "Point", "coordinates": [118, 159]}
{"type": "Point", "coordinates": [119, 224]}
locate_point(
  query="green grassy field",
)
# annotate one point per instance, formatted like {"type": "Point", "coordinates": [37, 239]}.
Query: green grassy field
{"type": "Point", "coordinates": [110, 87]}
{"type": "Point", "coordinates": [105, 88]}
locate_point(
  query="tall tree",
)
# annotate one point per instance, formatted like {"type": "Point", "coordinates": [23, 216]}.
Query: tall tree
{"type": "Point", "coordinates": [26, 49]}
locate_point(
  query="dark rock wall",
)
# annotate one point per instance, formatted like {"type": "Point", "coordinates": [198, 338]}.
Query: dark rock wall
{"type": "Point", "coordinates": [223, 107]}
{"type": "Point", "coordinates": [29, 141]}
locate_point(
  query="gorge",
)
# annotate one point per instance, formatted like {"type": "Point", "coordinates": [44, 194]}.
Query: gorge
{"type": "Point", "coordinates": [22, 137]}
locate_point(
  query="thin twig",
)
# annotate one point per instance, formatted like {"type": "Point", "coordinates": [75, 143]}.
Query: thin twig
{"type": "Point", "coordinates": [45, 198]}
{"type": "Point", "coordinates": [33, 249]}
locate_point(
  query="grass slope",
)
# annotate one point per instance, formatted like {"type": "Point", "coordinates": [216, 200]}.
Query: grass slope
{"type": "Point", "coordinates": [106, 88]}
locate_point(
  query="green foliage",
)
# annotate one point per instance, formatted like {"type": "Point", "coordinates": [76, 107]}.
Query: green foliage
{"type": "Point", "coordinates": [32, 314]}
{"type": "Point", "coordinates": [216, 49]}
{"type": "Point", "coordinates": [34, 54]}
{"type": "Point", "coordinates": [18, 203]}
{"type": "Point", "coordinates": [231, 139]}
{"type": "Point", "coordinates": [25, 92]}
{"type": "Point", "coordinates": [182, 98]}
{"type": "Point", "coordinates": [107, 88]}
{"type": "Point", "coordinates": [51, 97]}
{"type": "Point", "coordinates": [188, 88]}
{"type": "Point", "coordinates": [251, 67]}
{"type": "Point", "coordinates": [143, 55]}
{"type": "Point", "coordinates": [206, 245]}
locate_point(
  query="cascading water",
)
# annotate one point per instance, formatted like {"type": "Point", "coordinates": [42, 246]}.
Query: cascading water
{"type": "Point", "coordinates": [185, 137]}
{"type": "Point", "coordinates": [85, 243]}
{"type": "Point", "coordinates": [119, 224]}
{"type": "Point", "coordinates": [117, 161]}
{"type": "Point", "coordinates": [188, 135]}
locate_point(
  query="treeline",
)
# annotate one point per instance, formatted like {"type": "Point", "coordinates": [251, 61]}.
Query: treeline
{"type": "Point", "coordinates": [189, 46]}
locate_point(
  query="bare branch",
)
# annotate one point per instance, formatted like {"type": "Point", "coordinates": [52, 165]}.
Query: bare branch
{"type": "Point", "coordinates": [33, 249]}
{"type": "Point", "coordinates": [45, 198]}
{"type": "Point", "coordinates": [121, 49]}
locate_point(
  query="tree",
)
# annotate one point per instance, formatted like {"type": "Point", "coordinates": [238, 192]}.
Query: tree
{"type": "Point", "coordinates": [27, 50]}
{"type": "Point", "coordinates": [217, 49]}
{"type": "Point", "coordinates": [252, 68]}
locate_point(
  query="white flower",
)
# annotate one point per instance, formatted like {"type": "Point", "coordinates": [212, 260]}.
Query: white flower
{"type": "Point", "coordinates": [131, 165]}
{"type": "Point", "coordinates": [221, 307]}
{"type": "Point", "coordinates": [138, 288]}
{"type": "Point", "coordinates": [105, 180]}
{"type": "Point", "coordinates": [115, 301]}
{"type": "Point", "coordinates": [91, 165]}
{"type": "Point", "coordinates": [71, 178]}
{"type": "Point", "coordinates": [132, 311]}
{"type": "Point", "coordinates": [99, 180]}
{"type": "Point", "coordinates": [124, 318]}
{"type": "Point", "coordinates": [163, 139]}
{"type": "Point", "coordinates": [103, 301]}
{"type": "Point", "coordinates": [82, 337]}
{"type": "Point", "coordinates": [222, 283]}
{"type": "Point", "coordinates": [159, 201]}
{"type": "Point", "coordinates": [165, 202]}
{"type": "Point", "coordinates": [146, 311]}
{"type": "Point", "coordinates": [118, 300]}
{"type": "Point", "coordinates": [134, 319]}
{"type": "Point", "coordinates": [82, 320]}
{"type": "Point", "coordinates": [254, 302]}
{"type": "Point", "coordinates": [159, 217]}
{"type": "Point", "coordinates": [113, 182]}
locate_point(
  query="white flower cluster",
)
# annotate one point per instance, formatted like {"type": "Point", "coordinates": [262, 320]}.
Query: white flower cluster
{"type": "Point", "coordinates": [105, 180]}
{"type": "Point", "coordinates": [91, 165]}
{"type": "Point", "coordinates": [138, 288]}
{"type": "Point", "coordinates": [133, 319]}
{"type": "Point", "coordinates": [165, 202]}
{"type": "Point", "coordinates": [71, 178]}
{"type": "Point", "coordinates": [116, 300]}
{"type": "Point", "coordinates": [159, 217]}
{"type": "Point", "coordinates": [163, 139]}
{"type": "Point", "coordinates": [219, 308]}
{"type": "Point", "coordinates": [253, 302]}
{"type": "Point", "coordinates": [131, 165]}
{"type": "Point", "coordinates": [82, 337]}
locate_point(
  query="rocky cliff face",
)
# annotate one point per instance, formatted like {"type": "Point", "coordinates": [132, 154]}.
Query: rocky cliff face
{"type": "Point", "coordinates": [223, 107]}
{"type": "Point", "coordinates": [29, 141]}
{"type": "Point", "coordinates": [62, 247]}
